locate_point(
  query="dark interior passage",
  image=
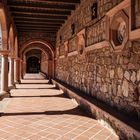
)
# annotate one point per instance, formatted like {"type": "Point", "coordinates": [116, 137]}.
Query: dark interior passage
{"type": "Point", "coordinates": [33, 65]}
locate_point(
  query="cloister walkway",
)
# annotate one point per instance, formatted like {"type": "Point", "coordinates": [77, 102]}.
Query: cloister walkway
{"type": "Point", "coordinates": [39, 111]}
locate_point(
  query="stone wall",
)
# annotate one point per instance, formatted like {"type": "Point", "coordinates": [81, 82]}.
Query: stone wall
{"type": "Point", "coordinates": [101, 72]}
{"type": "Point", "coordinates": [26, 36]}
{"type": "Point", "coordinates": [110, 77]}
{"type": "Point", "coordinates": [82, 17]}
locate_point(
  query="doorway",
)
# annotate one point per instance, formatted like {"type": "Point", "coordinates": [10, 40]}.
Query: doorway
{"type": "Point", "coordinates": [33, 65]}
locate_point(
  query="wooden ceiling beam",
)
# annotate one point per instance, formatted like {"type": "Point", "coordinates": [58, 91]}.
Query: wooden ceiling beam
{"type": "Point", "coordinates": [39, 11]}
{"type": "Point", "coordinates": [71, 2]}
{"type": "Point", "coordinates": [49, 16]}
{"type": "Point", "coordinates": [36, 30]}
{"type": "Point", "coordinates": [38, 19]}
{"type": "Point", "coordinates": [42, 28]}
{"type": "Point", "coordinates": [40, 15]}
{"type": "Point", "coordinates": [57, 8]}
{"type": "Point", "coordinates": [39, 4]}
{"type": "Point", "coordinates": [37, 23]}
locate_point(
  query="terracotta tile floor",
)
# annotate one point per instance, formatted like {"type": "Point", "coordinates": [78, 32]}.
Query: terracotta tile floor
{"type": "Point", "coordinates": [41, 112]}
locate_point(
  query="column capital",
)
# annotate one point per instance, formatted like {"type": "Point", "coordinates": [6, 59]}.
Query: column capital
{"type": "Point", "coordinates": [4, 52]}
{"type": "Point", "coordinates": [17, 58]}
{"type": "Point", "coordinates": [21, 60]}
{"type": "Point", "coordinates": [12, 57]}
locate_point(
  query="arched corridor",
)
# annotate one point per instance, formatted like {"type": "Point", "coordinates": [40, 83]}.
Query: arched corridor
{"type": "Point", "coordinates": [35, 112]}
{"type": "Point", "coordinates": [70, 69]}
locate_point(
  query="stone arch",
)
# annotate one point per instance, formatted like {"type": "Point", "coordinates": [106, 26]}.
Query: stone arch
{"type": "Point", "coordinates": [3, 24]}
{"type": "Point", "coordinates": [39, 41]}
{"type": "Point", "coordinates": [42, 45]}
{"type": "Point", "coordinates": [31, 48]}
{"type": "Point", "coordinates": [32, 56]}
{"type": "Point", "coordinates": [36, 52]}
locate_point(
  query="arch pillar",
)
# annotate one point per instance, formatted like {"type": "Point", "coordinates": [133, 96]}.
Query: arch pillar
{"type": "Point", "coordinates": [45, 47]}
{"type": "Point", "coordinates": [21, 69]}
{"type": "Point", "coordinates": [17, 70]}
{"type": "Point", "coordinates": [50, 68]}
{"type": "Point", "coordinates": [4, 74]}
{"type": "Point", "coordinates": [11, 73]}
{"type": "Point", "coordinates": [24, 68]}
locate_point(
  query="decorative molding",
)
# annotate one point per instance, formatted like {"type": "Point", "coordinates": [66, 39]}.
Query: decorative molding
{"type": "Point", "coordinates": [4, 52]}
{"type": "Point", "coordinates": [124, 4]}
{"type": "Point", "coordinates": [134, 34]}
{"type": "Point", "coordinates": [62, 56]}
{"type": "Point", "coordinates": [57, 51]}
{"type": "Point", "coordinates": [97, 32]}
{"type": "Point", "coordinates": [96, 46]}
{"type": "Point", "coordinates": [72, 53]}
{"type": "Point", "coordinates": [118, 25]}
{"type": "Point", "coordinates": [17, 58]}
{"type": "Point", "coordinates": [72, 43]}
{"type": "Point", "coordinates": [81, 42]}
{"type": "Point", "coordinates": [66, 47]}
{"type": "Point", "coordinates": [61, 50]}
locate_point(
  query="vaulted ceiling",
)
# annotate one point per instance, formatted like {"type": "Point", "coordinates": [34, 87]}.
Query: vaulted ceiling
{"type": "Point", "coordinates": [40, 15]}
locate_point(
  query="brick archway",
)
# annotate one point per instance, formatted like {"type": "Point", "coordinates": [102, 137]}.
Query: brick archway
{"type": "Point", "coordinates": [45, 47]}
{"type": "Point", "coordinates": [39, 41]}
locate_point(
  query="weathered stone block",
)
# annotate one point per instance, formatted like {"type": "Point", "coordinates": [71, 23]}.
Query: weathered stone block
{"type": "Point", "coordinates": [127, 75]}
{"type": "Point", "coordinates": [120, 72]}
{"type": "Point", "coordinates": [133, 77]}
{"type": "Point", "coordinates": [125, 88]}
{"type": "Point", "coordinates": [112, 74]}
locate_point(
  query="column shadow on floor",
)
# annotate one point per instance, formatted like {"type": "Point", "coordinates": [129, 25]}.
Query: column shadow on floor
{"type": "Point", "coordinates": [75, 111]}
{"type": "Point", "coordinates": [18, 88]}
{"type": "Point", "coordinates": [34, 83]}
{"type": "Point", "coordinates": [59, 96]}
{"type": "Point", "coordinates": [34, 79]}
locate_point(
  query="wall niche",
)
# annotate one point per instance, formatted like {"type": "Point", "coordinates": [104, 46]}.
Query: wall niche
{"type": "Point", "coordinates": [94, 10]}
{"type": "Point", "coordinates": [119, 30]}
{"type": "Point", "coordinates": [118, 26]}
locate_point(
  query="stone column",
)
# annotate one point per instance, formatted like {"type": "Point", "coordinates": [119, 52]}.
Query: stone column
{"type": "Point", "coordinates": [21, 69]}
{"type": "Point", "coordinates": [50, 68]}
{"type": "Point", "coordinates": [4, 75]}
{"type": "Point", "coordinates": [16, 70]}
{"type": "Point", "coordinates": [11, 72]}
{"type": "Point", "coordinates": [54, 64]}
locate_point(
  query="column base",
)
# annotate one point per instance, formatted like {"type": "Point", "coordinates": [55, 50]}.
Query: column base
{"type": "Point", "coordinates": [12, 87]}
{"type": "Point", "coordinates": [4, 94]}
{"type": "Point", "coordinates": [18, 82]}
